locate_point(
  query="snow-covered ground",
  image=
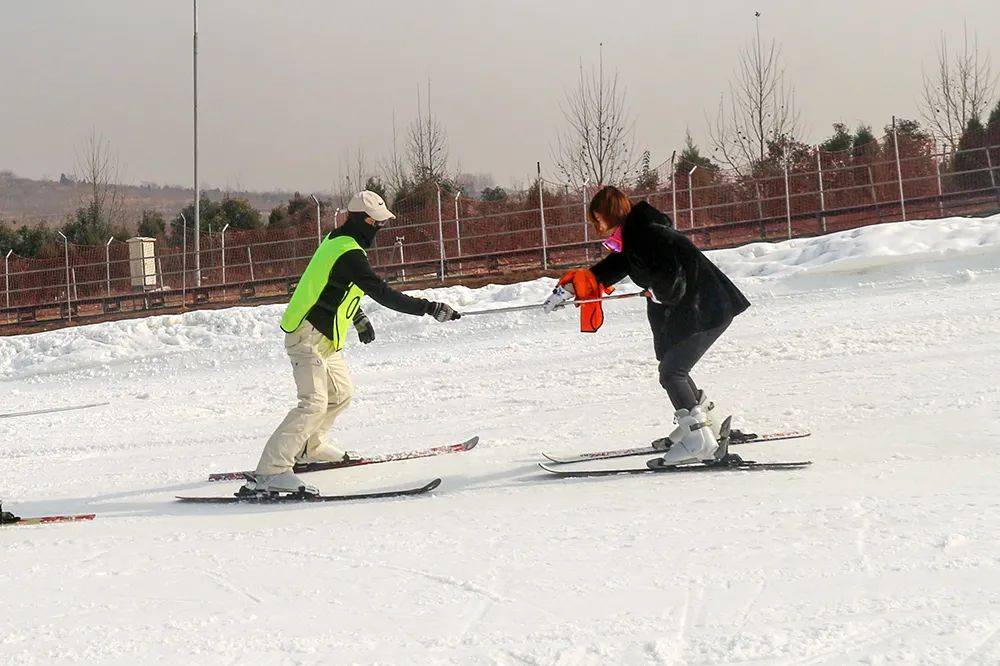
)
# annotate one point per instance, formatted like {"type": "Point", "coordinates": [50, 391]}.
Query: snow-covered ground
{"type": "Point", "coordinates": [884, 341]}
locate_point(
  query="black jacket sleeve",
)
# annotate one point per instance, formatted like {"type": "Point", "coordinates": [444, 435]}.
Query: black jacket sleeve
{"type": "Point", "coordinates": [353, 267]}
{"type": "Point", "coordinates": [611, 269]}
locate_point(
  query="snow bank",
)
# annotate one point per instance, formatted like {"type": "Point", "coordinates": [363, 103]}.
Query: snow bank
{"type": "Point", "coordinates": [867, 248]}
{"type": "Point", "coordinates": [864, 248]}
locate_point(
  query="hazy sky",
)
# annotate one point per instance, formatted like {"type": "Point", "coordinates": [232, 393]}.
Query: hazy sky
{"type": "Point", "coordinates": [288, 88]}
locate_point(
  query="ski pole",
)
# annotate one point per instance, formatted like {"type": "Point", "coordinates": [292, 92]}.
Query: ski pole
{"type": "Point", "coordinates": [538, 306]}
{"type": "Point", "coordinates": [52, 410]}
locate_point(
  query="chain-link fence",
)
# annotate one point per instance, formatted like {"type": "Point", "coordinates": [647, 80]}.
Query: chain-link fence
{"type": "Point", "coordinates": [449, 236]}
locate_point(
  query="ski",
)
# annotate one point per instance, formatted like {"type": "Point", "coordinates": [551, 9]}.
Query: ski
{"type": "Point", "coordinates": [736, 438]}
{"type": "Point", "coordinates": [744, 466]}
{"type": "Point", "coordinates": [467, 445]}
{"type": "Point", "coordinates": [297, 497]}
{"type": "Point", "coordinates": [10, 519]}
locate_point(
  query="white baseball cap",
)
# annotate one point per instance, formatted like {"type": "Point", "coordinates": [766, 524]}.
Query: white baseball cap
{"type": "Point", "coordinates": [370, 204]}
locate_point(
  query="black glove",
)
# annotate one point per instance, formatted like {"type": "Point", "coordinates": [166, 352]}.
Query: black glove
{"type": "Point", "coordinates": [442, 311]}
{"type": "Point", "coordinates": [364, 327]}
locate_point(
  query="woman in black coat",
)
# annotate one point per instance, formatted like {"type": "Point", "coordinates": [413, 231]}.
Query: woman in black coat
{"type": "Point", "coordinates": [691, 304]}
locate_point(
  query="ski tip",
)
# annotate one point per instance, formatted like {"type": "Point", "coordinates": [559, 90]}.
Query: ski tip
{"type": "Point", "coordinates": [470, 444]}
{"type": "Point", "coordinates": [432, 485]}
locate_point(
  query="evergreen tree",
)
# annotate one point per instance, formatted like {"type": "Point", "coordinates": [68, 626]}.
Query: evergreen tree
{"type": "Point", "coordinates": [912, 139]}
{"type": "Point", "coordinates": [691, 156]}
{"type": "Point", "coordinates": [493, 194]}
{"type": "Point", "coordinates": [88, 226]}
{"type": "Point", "coordinates": [8, 239]}
{"type": "Point", "coordinates": [993, 139]}
{"type": "Point", "coordinates": [864, 143]}
{"type": "Point", "coordinates": [840, 141]}
{"type": "Point", "coordinates": [36, 241]}
{"type": "Point", "coordinates": [648, 179]}
{"type": "Point", "coordinates": [152, 224]}
{"type": "Point", "coordinates": [375, 184]}
{"type": "Point", "coordinates": [237, 213]}
{"type": "Point", "coordinates": [993, 124]}
{"type": "Point", "coordinates": [277, 216]}
{"type": "Point", "coordinates": [298, 203]}
{"type": "Point", "coordinates": [969, 163]}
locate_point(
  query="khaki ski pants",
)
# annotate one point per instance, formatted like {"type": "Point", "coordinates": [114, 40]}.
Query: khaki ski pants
{"type": "Point", "coordinates": [324, 390]}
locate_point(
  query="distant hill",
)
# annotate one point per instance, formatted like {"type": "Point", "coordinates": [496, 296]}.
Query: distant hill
{"type": "Point", "coordinates": [23, 200]}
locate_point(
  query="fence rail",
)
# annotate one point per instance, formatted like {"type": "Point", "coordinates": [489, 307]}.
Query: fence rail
{"type": "Point", "coordinates": [455, 238]}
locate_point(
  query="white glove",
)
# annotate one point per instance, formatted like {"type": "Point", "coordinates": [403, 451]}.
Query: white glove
{"type": "Point", "coordinates": [559, 297]}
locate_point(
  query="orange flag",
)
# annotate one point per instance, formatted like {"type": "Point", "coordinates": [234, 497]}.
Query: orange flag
{"type": "Point", "coordinates": [586, 287]}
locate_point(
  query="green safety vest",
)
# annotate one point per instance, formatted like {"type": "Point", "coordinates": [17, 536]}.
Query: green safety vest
{"type": "Point", "coordinates": [314, 281]}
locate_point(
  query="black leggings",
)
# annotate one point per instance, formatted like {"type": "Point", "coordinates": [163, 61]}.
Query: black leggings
{"type": "Point", "coordinates": [678, 357]}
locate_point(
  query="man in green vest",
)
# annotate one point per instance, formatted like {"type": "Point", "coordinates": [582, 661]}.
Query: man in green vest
{"type": "Point", "coordinates": [326, 303]}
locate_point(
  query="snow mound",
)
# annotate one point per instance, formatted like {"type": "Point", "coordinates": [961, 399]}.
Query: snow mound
{"type": "Point", "coordinates": [864, 248]}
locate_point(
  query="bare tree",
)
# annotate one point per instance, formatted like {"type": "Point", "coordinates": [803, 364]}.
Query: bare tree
{"type": "Point", "coordinates": [354, 174]}
{"type": "Point", "coordinates": [760, 110]}
{"type": "Point", "coordinates": [598, 145]}
{"type": "Point", "coordinates": [394, 168]}
{"type": "Point", "coordinates": [97, 167]}
{"type": "Point", "coordinates": [428, 144]}
{"type": "Point", "coordinates": [959, 89]}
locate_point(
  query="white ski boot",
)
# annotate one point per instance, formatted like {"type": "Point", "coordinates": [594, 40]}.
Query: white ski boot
{"type": "Point", "coordinates": [281, 484]}
{"type": "Point", "coordinates": [677, 434]}
{"type": "Point", "coordinates": [321, 453]}
{"type": "Point", "coordinates": [697, 442]}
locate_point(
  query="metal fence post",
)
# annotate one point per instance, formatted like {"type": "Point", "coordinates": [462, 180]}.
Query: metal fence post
{"type": "Point", "coordinates": [224, 254]}
{"type": "Point", "coordinates": [69, 302]}
{"type": "Point", "coordinates": [899, 169]}
{"type": "Point", "coordinates": [402, 260]}
{"type": "Point", "coordinates": [822, 194]}
{"type": "Point", "coordinates": [788, 202]}
{"type": "Point", "coordinates": [250, 261]}
{"type": "Point", "coordinates": [940, 189]}
{"type": "Point", "coordinates": [319, 226]}
{"type": "Point", "coordinates": [458, 228]}
{"type": "Point", "coordinates": [541, 213]}
{"type": "Point", "coordinates": [6, 274]}
{"type": "Point", "coordinates": [107, 262]}
{"type": "Point", "coordinates": [989, 165]}
{"type": "Point", "coordinates": [673, 186]}
{"type": "Point", "coordinates": [184, 260]}
{"type": "Point", "coordinates": [440, 232]}
{"type": "Point", "coordinates": [586, 222]}
{"type": "Point", "coordinates": [691, 195]}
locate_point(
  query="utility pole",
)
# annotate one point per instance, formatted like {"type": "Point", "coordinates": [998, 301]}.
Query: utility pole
{"type": "Point", "coordinates": [197, 186]}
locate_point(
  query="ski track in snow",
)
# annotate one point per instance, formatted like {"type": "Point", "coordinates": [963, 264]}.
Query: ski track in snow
{"type": "Point", "coordinates": [883, 341]}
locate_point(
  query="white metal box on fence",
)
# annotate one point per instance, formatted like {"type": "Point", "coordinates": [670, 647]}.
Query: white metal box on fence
{"type": "Point", "coordinates": [142, 261]}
